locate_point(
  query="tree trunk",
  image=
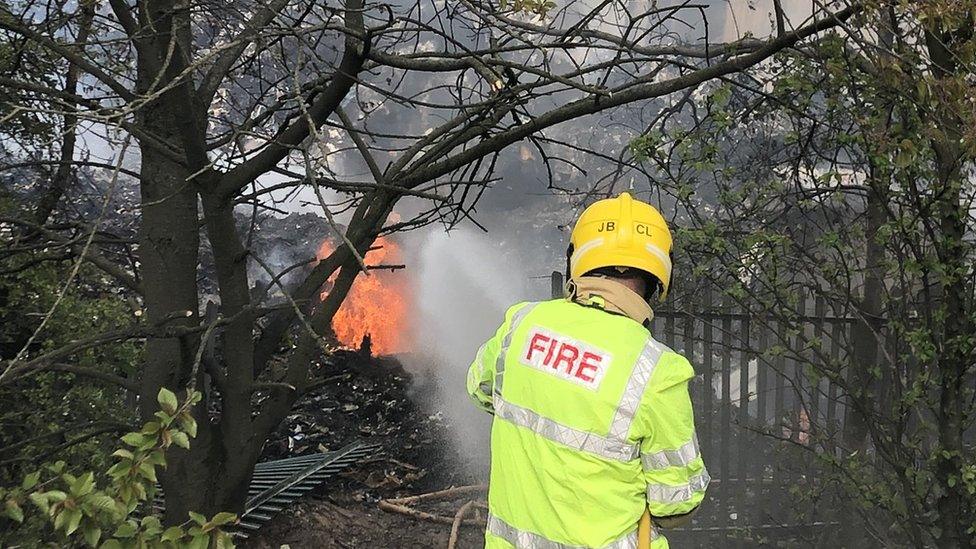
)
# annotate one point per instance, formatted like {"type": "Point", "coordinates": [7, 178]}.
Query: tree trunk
{"type": "Point", "coordinates": [168, 254]}
{"type": "Point", "coordinates": [198, 479]}
{"type": "Point", "coordinates": [956, 348]}
{"type": "Point", "coordinates": [956, 354]}
{"type": "Point", "coordinates": [865, 332]}
{"type": "Point", "coordinates": [206, 479]}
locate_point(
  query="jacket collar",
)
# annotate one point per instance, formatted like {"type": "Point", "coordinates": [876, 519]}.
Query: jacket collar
{"type": "Point", "coordinates": [611, 296]}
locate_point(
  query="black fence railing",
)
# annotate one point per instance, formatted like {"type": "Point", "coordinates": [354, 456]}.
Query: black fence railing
{"type": "Point", "coordinates": [757, 403]}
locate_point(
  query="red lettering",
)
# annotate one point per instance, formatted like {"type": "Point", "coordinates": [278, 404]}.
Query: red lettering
{"type": "Point", "coordinates": [535, 346]}
{"type": "Point", "coordinates": [567, 355]}
{"type": "Point", "coordinates": [552, 349]}
{"type": "Point", "coordinates": [590, 362]}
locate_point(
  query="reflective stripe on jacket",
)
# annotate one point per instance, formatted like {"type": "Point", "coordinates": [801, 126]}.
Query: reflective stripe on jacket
{"type": "Point", "coordinates": [593, 423]}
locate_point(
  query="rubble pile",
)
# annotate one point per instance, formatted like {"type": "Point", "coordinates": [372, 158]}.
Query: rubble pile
{"type": "Point", "coordinates": [359, 397]}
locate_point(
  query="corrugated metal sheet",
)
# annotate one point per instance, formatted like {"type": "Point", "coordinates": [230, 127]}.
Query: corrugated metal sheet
{"type": "Point", "coordinates": [279, 483]}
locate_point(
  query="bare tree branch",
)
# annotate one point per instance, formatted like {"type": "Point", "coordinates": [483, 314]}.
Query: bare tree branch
{"type": "Point", "coordinates": [70, 55]}
{"type": "Point", "coordinates": [342, 81]}
{"type": "Point", "coordinates": [230, 55]}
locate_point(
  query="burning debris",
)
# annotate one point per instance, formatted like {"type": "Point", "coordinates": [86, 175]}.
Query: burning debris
{"type": "Point", "coordinates": [373, 316]}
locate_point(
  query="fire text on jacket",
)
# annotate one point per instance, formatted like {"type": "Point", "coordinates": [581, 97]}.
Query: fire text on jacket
{"type": "Point", "coordinates": [565, 357]}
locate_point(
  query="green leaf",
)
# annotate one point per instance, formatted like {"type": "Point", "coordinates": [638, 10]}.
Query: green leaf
{"type": "Point", "coordinates": [148, 470]}
{"type": "Point", "coordinates": [60, 518]}
{"type": "Point", "coordinates": [40, 499]}
{"type": "Point", "coordinates": [221, 519]}
{"type": "Point", "coordinates": [172, 534]}
{"type": "Point", "coordinates": [180, 439]}
{"type": "Point", "coordinates": [223, 540]}
{"type": "Point", "coordinates": [201, 541]}
{"type": "Point", "coordinates": [140, 491]}
{"type": "Point", "coordinates": [198, 518]}
{"type": "Point", "coordinates": [83, 485]}
{"type": "Point", "coordinates": [101, 503]}
{"type": "Point", "coordinates": [188, 424]}
{"type": "Point", "coordinates": [13, 511]}
{"type": "Point", "coordinates": [92, 534]}
{"type": "Point", "coordinates": [120, 469]}
{"type": "Point", "coordinates": [167, 400]}
{"type": "Point", "coordinates": [157, 457]}
{"type": "Point", "coordinates": [55, 496]}
{"type": "Point", "coordinates": [125, 530]}
{"type": "Point", "coordinates": [134, 439]}
{"type": "Point", "coordinates": [72, 521]}
{"type": "Point", "coordinates": [122, 453]}
{"type": "Point", "coordinates": [111, 544]}
{"type": "Point", "coordinates": [31, 480]}
{"type": "Point", "coordinates": [151, 526]}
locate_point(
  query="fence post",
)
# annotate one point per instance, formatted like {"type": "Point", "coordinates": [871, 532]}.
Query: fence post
{"type": "Point", "coordinates": [745, 394]}
{"type": "Point", "coordinates": [763, 365]}
{"type": "Point", "coordinates": [707, 393]}
{"type": "Point", "coordinates": [836, 343]}
{"type": "Point", "coordinates": [727, 493]}
{"type": "Point", "coordinates": [556, 284]}
{"type": "Point", "coordinates": [820, 314]}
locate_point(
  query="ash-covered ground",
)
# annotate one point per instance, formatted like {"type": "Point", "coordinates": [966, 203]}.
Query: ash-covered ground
{"type": "Point", "coordinates": [360, 397]}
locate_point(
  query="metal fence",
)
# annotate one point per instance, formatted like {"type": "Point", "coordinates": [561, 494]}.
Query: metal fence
{"type": "Point", "coordinates": [754, 399]}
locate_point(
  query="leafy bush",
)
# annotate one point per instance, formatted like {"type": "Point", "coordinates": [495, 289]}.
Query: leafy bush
{"type": "Point", "coordinates": [107, 517]}
{"type": "Point", "coordinates": [57, 410]}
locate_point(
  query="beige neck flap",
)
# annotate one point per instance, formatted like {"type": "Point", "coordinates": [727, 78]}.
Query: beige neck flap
{"type": "Point", "coordinates": [610, 295]}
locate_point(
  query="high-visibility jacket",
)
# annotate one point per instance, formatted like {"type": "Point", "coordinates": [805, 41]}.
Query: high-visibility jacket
{"type": "Point", "coordinates": [593, 424]}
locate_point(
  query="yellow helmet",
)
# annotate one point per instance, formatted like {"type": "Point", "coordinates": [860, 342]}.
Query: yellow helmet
{"type": "Point", "coordinates": [621, 232]}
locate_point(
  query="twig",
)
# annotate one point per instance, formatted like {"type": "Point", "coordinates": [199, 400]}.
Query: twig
{"type": "Point", "coordinates": [192, 385]}
{"type": "Point", "coordinates": [390, 267]}
{"type": "Point", "coordinates": [780, 18]}
{"type": "Point", "coordinates": [310, 174]}
{"type": "Point", "coordinates": [61, 433]}
{"type": "Point", "coordinates": [272, 386]}
{"type": "Point", "coordinates": [295, 307]}
{"type": "Point", "coordinates": [384, 459]}
{"type": "Point", "coordinates": [456, 527]}
{"type": "Point", "coordinates": [402, 505]}
{"type": "Point", "coordinates": [73, 442]}
{"type": "Point", "coordinates": [385, 505]}
{"type": "Point", "coordinates": [441, 494]}
{"type": "Point", "coordinates": [325, 381]}
{"type": "Point", "coordinates": [129, 384]}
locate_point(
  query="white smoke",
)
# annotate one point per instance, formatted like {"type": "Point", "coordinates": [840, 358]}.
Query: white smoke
{"type": "Point", "coordinates": [462, 285]}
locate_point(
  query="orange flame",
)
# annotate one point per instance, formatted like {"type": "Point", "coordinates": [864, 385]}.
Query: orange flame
{"type": "Point", "coordinates": [376, 303]}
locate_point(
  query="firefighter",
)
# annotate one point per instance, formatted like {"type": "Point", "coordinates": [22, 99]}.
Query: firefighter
{"type": "Point", "coordinates": [593, 427]}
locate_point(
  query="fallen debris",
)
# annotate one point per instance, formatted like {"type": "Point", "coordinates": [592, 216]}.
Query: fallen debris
{"type": "Point", "coordinates": [458, 520]}
{"type": "Point", "coordinates": [381, 500]}
{"type": "Point", "coordinates": [405, 505]}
